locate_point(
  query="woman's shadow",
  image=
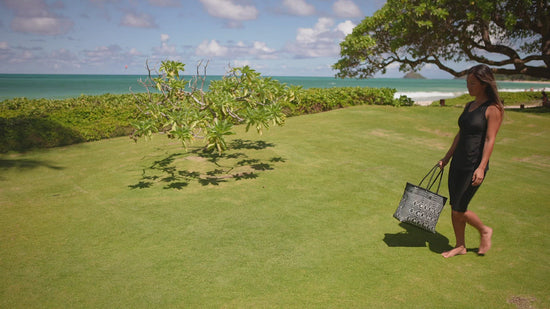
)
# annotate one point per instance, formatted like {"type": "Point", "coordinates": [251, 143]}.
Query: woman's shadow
{"type": "Point", "coordinates": [416, 237]}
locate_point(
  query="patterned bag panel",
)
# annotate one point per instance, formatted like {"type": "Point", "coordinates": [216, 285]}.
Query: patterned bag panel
{"type": "Point", "coordinates": [420, 207]}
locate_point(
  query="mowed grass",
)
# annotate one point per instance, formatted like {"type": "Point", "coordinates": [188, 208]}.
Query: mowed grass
{"type": "Point", "coordinates": [300, 217]}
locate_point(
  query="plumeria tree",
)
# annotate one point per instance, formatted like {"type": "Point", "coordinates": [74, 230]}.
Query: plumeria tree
{"type": "Point", "coordinates": [185, 111]}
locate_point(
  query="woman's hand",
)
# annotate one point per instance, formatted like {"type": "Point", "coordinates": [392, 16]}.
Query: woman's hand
{"type": "Point", "coordinates": [477, 178]}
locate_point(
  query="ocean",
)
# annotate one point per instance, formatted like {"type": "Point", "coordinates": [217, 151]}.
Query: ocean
{"type": "Point", "coordinates": [63, 86]}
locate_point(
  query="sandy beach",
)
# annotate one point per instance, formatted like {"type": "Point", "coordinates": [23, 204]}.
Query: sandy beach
{"type": "Point", "coordinates": [525, 81]}
{"type": "Point", "coordinates": [423, 103]}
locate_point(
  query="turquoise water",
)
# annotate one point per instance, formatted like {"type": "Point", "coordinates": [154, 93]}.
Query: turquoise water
{"type": "Point", "coordinates": [63, 86]}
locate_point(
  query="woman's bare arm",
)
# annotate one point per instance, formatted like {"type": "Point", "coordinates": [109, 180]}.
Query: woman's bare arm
{"type": "Point", "coordinates": [494, 120]}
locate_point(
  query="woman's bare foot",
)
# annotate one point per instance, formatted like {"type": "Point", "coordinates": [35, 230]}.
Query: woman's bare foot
{"type": "Point", "coordinates": [485, 243]}
{"type": "Point", "coordinates": [456, 251]}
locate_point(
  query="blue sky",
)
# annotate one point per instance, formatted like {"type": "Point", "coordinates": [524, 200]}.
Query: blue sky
{"type": "Point", "coordinates": [275, 37]}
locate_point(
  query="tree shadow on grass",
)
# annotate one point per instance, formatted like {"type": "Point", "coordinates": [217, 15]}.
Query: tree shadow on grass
{"type": "Point", "coordinates": [208, 169]}
{"type": "Point", "coordinates": [416, 237]}
{"type": "Point", "coordinates": [25, 164]}
{"type": "Point", "coordinates": [22, 133]}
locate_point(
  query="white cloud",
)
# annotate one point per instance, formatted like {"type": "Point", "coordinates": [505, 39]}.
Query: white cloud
{"type": "Point", "coordinates": [165, 3]}
{"type": "Point", "coordinates": [240, 63]}
{"type": "Point", "coordinates": [165, 49]}
{"type": "Point", "coordinates": [320, 41]}
{"type": "Point", "coordinates": [315, 34]}
{"type": "Point", "coordinates": [143, 20]}
{"type": "Point", "coordinates": [234, 24]}
{"type": "Point", "coordinates": [42, 25]}
{"type": "Point", "coordinates": [22, 57]}
{"type": "Point", "coordinates": [256, 50]}
{"type": "Point", "coordinates": [100, 2]}
{"type": "Point", "coordinates": [63, 58]}
{"type": "Point", "coordinates": [346, 9]}
{"type": "Point", "coordinates": [34, 16]}
{"type": "Point", "coordinates": [134, 52]}
{"type": "Point", "coordinates": [346, 27]}
{"type": "Point", "coordinates": [227, 9]}
{"type": "Point", "coordinates": [103, 54]}
{"type": "Point", "coordinates": [6, 53]}
{"type": "Point", "coordinates": [299, 7]}
{"type": "Point", "coordinates": [63, 54]}
{"type": "Point", "coordinates": [261, 50]}
{"type": "Point", "coordinates": [14, 58]}
{"type": "Point", "coordinates": [211, 49]}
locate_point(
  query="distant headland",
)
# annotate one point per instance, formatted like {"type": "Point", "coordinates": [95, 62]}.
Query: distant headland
{"type": "Point", "coordinates": [414, 75]}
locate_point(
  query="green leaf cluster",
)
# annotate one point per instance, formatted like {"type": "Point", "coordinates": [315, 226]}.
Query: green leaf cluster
{"type": "Point", "coordinates": [185, 112]}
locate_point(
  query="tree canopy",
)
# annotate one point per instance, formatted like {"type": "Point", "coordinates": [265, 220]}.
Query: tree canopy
{"type": "Point", "coordinates": [510, 36]}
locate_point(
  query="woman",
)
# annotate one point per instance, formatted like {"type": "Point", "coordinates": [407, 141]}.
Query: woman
{"type": "Point", "coordinates": [470, 150]}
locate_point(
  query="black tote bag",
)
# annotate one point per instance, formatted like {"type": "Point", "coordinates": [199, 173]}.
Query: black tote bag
{"type": "Point", "coordinates": [419, 206]}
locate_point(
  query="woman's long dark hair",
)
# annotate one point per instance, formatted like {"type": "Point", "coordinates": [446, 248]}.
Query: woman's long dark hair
{"type": "Point", "coordinates": [485, 75]}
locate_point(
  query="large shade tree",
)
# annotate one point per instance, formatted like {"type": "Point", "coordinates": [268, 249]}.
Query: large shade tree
{"type": "Point", "coordinates": [511, 36]}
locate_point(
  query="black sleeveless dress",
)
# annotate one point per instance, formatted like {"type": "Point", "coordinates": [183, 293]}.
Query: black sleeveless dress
{"type": "Point", "coordinates": [467, 156]}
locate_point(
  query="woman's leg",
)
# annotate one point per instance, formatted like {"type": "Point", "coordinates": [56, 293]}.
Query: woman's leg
{"type": "Point", "coordinates": [459, 226]}
{"type": "Point", "coordinates": [485, 232]}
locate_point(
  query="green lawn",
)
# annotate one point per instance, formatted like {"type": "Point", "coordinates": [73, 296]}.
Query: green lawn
{"type": "Point", "coordinates": [300, 217]}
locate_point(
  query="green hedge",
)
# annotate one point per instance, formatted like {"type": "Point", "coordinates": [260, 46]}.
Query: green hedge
{"type": "Point", "coordinates": [509, 98]}
{"type": "Point", "coordinates": [40, 123]}
{"type": "Point", "coordinates": [314, 100]}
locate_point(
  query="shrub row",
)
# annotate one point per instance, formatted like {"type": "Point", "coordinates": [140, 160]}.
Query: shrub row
{"type": "Point", "coordinates": [509, 98]}
{"type": "Point", "coordinates": [40, 123]}
{"type": "Point", "coordinates": [314, 100]}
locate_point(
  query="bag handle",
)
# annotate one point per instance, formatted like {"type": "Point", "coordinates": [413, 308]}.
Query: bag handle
{"type": "Point", "coordinates": [431, 173]}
